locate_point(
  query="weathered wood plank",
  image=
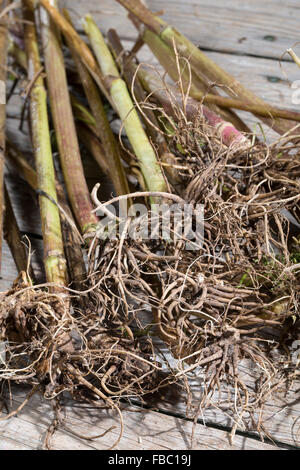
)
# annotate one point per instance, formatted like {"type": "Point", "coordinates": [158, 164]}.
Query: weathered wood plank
{"type": "Point", "coordinates": [250, 27]}
{"type": "Point", "coordinates": [9, 271]}
{"type": "Point", "coordinates": [280, 417]}
{"type": "Point", "coordinates": [143, 430]}
{"type": "Point", "coordinates": [265, 77]}
{"type": "Point", "coordinates": [10, 444]}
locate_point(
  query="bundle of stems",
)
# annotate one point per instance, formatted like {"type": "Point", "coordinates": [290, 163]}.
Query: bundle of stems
{"type": "Point", "coordinates": [215, 295]}
{"type": "Point", "coordinates": [64, 125]}
{"type": "Point", "coordinates": [78, 44]}
{"type": "Point", "coordinates": [3, 60]}
{"type": "Point", "coordinates": [112, 86]}
{"type": "Point", "coordinates": [151, 122]}
{"type": "Point", "coordinates": [124, 105]}
{"type": "Point", "coordinates": [201, 65]}
{"type": "Point", "coordinates": [102, 126]}
{"type": "Point", "coordinates": [54, 259]}
{"type": "Point", "coordinates": [71, 238]}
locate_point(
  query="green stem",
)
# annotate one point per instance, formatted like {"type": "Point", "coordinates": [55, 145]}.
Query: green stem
{"type": "Point", "coordinates": [126, 110]}
{"type": "Point", "coordinates": [54, 260]}
{"type": "Point", "coordinates": [102, 126]}
{"type": "Point", "coordinates": [13, 239]}
{"type": "Point", "coordinates": [17, 53]}
{"type": "Point", "coordinates": [3, 59]}
{"type": "Point", "coordinates": [71, 240]}
{"type": "Point", "coordinates": [151, 123]}
{"type": "Point", "coordinates": [65, 127]}
{"type": "Point", "coordinates": [83, 114]}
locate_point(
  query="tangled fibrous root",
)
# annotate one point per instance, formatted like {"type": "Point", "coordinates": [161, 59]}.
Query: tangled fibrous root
{"type": "Point", "coordinates": [217, 299]}
{"type": "Point", "coordinates": [221, 286]}
{"type": "Point", "coordinates": [55, 348]}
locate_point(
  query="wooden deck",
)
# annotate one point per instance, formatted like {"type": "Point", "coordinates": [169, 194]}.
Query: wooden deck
{"type": "Point", "coordinates": [246, 37]}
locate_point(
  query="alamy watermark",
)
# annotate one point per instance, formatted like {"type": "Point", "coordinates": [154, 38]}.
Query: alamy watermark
{"type": "Point", "coordinates": [168, 222]}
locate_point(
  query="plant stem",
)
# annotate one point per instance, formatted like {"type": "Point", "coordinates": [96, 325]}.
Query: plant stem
{"type": "Point", "coordinates": [17, 53]}
{"type": "Point", "coordinates": [54, 260]}
{"type": "Point", "coordinates": [228, 133]}
{"type": "Point", "coordinates": [13, 238]}
{"type": "Point", "coordinates": [64, 125]}
{"type": "Point", "coordinates": [83, 114]}
{"type": "Point", "coordinates": [177, 68]}
{"type": "Point", "coordinates": [19, 162]}
{"type": "Point", "coordinates": [256, 109]}
{"type": "Point", "coordinates": [111, 150]}
{"type": "Point", "coordinates": [79, 45]}
{"type": "Point", "coordinates": [136, 8]}
{"type": "Point", "coordinates": [3, 59]}
{"type": "Point", "coordinates": [294, 56]}
{"type": "Point", "coordinates": [93, 145]}
{"type": "Point", "coordinates": [200, 63]}
{"type": "Point", "coordinates": [150, 121]}
{"type": "Point", "coordinates": [72, 242]}
{"type": "Point", "coordinates": [126, 110]}
{"type": "Point", "coordinates": [71, 239]}
{"type": "Point", "coordinates": [166, 57]}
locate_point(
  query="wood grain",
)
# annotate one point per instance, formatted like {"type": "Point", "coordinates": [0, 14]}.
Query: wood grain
{"type": "Point", "coordinates": [281, 414]}
{"type": "Point", "coordinates": [250, 27]}
{"type": "Point", "coordinates": [144, 430]}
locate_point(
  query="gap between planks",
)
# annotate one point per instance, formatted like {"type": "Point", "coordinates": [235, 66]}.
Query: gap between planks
{"type": "Point", "coordinates": [144, 430]}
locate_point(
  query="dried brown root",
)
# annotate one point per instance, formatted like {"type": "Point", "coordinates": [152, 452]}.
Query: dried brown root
{"type": "Point", "coordinates": [214, 307]}
{"type": "Point", "coordinates": [56, 348]}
